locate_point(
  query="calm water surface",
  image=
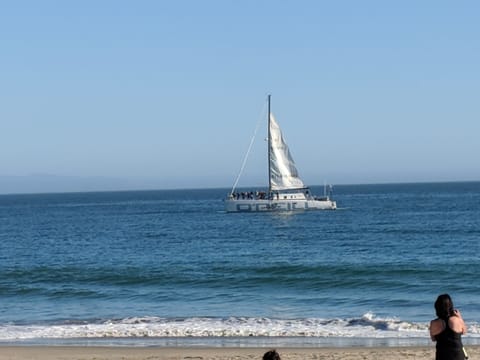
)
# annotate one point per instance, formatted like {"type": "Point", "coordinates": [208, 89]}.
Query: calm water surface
{"type": "Point", "coordinates": [174, 265]}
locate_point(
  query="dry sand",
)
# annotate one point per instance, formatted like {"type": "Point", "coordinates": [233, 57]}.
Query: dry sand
{"type": "Point", "coordinates": [178, 353]}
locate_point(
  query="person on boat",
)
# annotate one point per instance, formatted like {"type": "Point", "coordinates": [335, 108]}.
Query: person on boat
{"type": "Point", "coordinates": [447, 330]}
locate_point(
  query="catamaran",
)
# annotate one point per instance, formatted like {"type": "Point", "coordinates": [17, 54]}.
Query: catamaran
{"type": "Point", "coordinates": [286, 191]}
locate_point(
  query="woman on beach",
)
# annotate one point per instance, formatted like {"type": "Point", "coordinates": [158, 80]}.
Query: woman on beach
{"type": "Point", "coordinates": [271, 355]}
{"type": "Point", "coordinates": [447, 330]}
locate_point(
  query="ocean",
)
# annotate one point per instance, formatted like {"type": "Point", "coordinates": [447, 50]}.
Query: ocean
{"type": "Point", "coordinates": [171, 268]}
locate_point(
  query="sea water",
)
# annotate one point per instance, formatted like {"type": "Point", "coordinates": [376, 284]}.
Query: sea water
{"type": "Point", "coordinates": [173, 268]}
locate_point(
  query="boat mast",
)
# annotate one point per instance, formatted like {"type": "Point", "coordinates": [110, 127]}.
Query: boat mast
{"type": "Point", "coordinates": [269, 147]}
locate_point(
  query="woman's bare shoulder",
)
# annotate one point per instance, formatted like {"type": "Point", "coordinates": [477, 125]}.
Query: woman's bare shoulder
{"type": "Point", "coordinates": [457, 324]}
{"type": "Point", "coordinates": [436, 326]}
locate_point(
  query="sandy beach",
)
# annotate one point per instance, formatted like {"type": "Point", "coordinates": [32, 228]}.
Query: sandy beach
{"type": "Point", "coordinates": [162, 353]}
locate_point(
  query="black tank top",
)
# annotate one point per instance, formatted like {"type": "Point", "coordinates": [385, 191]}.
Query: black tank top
{"type": "Point", "coordinates": [449, 345]}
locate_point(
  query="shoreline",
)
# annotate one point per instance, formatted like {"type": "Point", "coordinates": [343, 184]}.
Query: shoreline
{"type": "Point", "coordinates": [232, 342]}
{"type": "Point", "coordinates": [60, 352]}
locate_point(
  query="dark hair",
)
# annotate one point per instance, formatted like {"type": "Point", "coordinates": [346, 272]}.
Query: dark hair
{"type": "Point", "coordinates": [444, 306]}
{"type": "Point", "coordinates": [271, 355]}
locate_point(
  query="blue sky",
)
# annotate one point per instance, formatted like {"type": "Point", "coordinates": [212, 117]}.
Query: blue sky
{"type": "Point", "coordinates": [166, 94]}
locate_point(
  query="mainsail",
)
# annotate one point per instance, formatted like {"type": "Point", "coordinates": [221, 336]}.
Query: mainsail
{"type": "Point", "coordinates": [283, 172]}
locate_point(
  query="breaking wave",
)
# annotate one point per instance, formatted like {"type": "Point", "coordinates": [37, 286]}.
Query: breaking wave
{"type": "Point", "coordinates": [368, 326]}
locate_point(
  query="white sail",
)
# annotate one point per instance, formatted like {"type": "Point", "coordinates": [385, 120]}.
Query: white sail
{"type": "Point", "coordinates": [283, 172]}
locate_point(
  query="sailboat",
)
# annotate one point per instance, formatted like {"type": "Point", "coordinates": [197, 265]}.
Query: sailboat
{"type": "Point", "coordinates": [286, 191]}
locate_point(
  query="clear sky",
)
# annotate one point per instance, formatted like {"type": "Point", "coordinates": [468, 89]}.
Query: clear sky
{"type": "Point", "coordinates": [167, 94]}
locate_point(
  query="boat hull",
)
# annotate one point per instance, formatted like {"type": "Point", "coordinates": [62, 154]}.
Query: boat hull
{"type": "Point", "coordinates": [254, 205]}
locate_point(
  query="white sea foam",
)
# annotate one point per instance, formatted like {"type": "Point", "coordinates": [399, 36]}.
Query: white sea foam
{"type": "Point", "coordinates": [367, 326]}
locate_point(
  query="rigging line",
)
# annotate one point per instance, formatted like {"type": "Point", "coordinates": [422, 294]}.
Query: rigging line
{"type": "Point", "coordinates": [248, 151]}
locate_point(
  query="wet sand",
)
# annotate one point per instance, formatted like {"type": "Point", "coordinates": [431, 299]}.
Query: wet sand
{"type": "Point", "coordinates": [190, 353]}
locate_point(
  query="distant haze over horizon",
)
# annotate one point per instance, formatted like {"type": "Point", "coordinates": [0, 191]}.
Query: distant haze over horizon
{"type": "Point", "coordinates": [45, 183]}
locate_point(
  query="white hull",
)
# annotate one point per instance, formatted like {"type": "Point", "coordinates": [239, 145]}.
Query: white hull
{"type": "Point", "coordinates": [253, 205]}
